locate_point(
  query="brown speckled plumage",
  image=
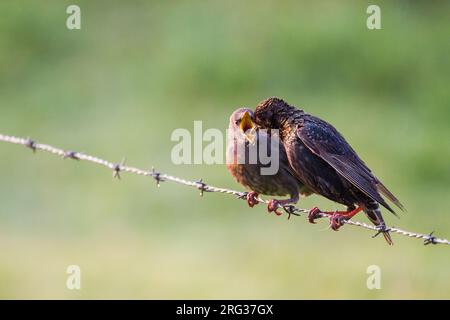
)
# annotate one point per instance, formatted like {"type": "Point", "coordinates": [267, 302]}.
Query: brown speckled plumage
{"type": "Point", "coordinates": [282, 183]}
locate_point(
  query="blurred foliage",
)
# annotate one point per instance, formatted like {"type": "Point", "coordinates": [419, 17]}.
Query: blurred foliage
{"type": "Point", "coordinates": [139, 69]}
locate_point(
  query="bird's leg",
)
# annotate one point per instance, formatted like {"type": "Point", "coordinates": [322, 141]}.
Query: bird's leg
{"type": "Point", "coordinates": [251, 199]}
{"type": "Point", "coordinates": [275, 204]}
{"type": "Point", "coordinates": [336, 217]}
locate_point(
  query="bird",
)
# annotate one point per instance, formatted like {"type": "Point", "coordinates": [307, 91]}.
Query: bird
{"type": "Point", "coordinates": [326, 164]}
{"type": "Point", "coordinates": [245, 137]}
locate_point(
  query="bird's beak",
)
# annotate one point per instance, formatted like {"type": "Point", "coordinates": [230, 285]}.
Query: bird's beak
{"type": "Point", "coordinates": [248, 127]}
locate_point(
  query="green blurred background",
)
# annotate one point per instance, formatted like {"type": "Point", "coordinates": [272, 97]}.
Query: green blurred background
{"type": "Point", "coordinates": [138, 69]}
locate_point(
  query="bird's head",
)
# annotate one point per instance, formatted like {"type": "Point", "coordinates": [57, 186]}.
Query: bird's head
{"type": "Point", "coordinates": [264, 113]}
{"type": "Point", "coordinates": [268, 113]}
{"type": "Point", "coordinates": [242, 125]}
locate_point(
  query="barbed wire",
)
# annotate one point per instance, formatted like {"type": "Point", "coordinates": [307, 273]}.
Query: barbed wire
{"type": "Point", "coordinates": [159, 177]}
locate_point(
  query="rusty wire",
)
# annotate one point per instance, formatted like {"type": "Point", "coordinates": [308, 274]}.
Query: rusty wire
{"type": "Point", "coordinates": [159, 177]}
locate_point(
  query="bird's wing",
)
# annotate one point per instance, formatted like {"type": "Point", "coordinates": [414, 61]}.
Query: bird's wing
{"type": "Point", "coordinates": [326, 142]}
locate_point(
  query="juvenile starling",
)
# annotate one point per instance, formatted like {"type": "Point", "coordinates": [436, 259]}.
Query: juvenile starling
{"type": "Point", "coordinates": [244, 137]}
{"type": "Point", "coordinates": [326, 164]}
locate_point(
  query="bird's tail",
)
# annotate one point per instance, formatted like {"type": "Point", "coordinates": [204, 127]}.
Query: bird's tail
{"type": "Point", "coordinates": [373, 212]}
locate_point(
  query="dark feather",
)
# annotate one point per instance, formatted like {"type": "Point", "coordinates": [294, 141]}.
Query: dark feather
{"type": "Point", "coordinates": [327, 143]}
{"type": "Point", "coordinates": [384, 191]}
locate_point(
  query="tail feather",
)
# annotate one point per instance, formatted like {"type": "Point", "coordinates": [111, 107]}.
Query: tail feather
{"type": "Point", "coordinates": [388, 238]}
{"type": "Point", "coordinates": [374, 214]}
{"type": "Point", "coordinates": [384, 191]}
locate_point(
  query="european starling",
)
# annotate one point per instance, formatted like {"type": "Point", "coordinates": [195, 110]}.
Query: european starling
{"type": "Point", "coordinates": [325, 163]}
{"type": "Point", "coordinates": [244, 137]}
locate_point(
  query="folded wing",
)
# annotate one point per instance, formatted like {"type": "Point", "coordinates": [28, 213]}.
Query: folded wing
{"type": "Point", "coordinates": [326, 142]}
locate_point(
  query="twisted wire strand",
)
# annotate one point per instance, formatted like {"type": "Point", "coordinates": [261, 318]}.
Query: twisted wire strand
{"type": "Point", "coordinates": [117, 168]}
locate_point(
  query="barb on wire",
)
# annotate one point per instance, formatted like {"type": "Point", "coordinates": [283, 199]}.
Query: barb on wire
{"type": "Point", "coordinates": [159, 177]}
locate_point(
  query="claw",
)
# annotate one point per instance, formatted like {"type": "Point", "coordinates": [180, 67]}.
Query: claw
{"type": "Point", "coordinates": [251, 199]}
{"type": "Point", "coordinates": [273, 207]}
{"type": "Point", "coordinates": [337, 218]}
{"type": "Point", "coordinates": [313, 214]}
{"type": "Point", "coordinates": [336, 221]}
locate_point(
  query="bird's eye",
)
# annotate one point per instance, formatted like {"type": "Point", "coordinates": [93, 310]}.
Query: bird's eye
{"type": "Point", "coordinates": [237, 121]}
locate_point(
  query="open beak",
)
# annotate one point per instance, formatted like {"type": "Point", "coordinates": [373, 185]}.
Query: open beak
{"type": "Point", "coordinates": [248, 127]}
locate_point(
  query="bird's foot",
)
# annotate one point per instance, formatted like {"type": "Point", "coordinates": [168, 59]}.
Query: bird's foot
{"type": "Point", "coordinates": [314, 214]}
{"type": "Point", "coordinates": [337, 218]}
{"type": "Point", "coordinates": [251, 199]}
{"type": "Point", "coordinates": [273, 206]}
